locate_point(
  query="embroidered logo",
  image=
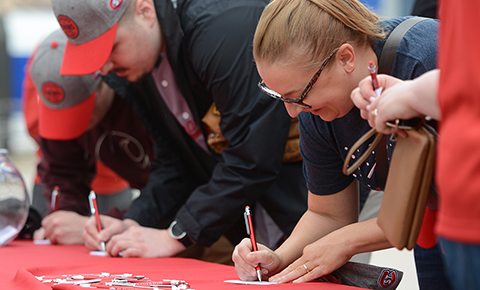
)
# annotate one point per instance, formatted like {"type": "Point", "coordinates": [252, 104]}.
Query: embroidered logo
{"type": "Point", "coordinates": [68, 26]}
{"type": "Point", "coordinates": [131, 146]}
{"type": "Point", "coordinates": [387, 278]}
{"type": "Point", "coordinates": [115, 4]}
{"type": "Point", "coordinates": [53, 92]}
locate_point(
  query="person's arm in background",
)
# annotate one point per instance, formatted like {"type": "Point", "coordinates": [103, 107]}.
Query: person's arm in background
{"type": "Point", "coordinates": [65, 164]}
{"type": "Point", "coordinates": [399, 99]}
{"type": "Point", "coordinates": [137, 235]}
{"type": "Point", "coordinates": [168, 187]}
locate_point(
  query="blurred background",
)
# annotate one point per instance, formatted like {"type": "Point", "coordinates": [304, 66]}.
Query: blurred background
{"type": "Point", "coordinates": [24, 23]}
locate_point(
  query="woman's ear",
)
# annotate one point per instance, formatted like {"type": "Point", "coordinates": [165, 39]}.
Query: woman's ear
{"type": "Point", "coordinates": [346, 56]}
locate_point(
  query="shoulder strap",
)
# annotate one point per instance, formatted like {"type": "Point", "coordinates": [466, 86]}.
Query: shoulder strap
{"type": "Point", "coordinates": [391, 44]}
{"type": "Point", "coordinates": [385, 66]}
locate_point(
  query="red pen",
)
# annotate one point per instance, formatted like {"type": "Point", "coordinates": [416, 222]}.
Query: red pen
{"type": "Point", "coordinates": [372, 68]}
{"type": "Point", "coordinates": [54, 201]}
{"type": "Point", "coordinates": [92, 198]}
{"type": "Point", "coordinates": [250, 231]}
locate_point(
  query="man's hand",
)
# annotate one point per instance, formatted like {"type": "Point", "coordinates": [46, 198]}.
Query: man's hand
{"type": "Point", "coordinates": [143, 242]}
{"type": "Point", "coordinates": [111, 226]}
{"type": "Point", "coordinates": [62, 227]}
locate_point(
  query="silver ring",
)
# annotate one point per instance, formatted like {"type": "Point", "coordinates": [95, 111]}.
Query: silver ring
{"type": "Point", "coordinates": [305, 267]}
{"type": "Point", "coordinates": [374, 112]}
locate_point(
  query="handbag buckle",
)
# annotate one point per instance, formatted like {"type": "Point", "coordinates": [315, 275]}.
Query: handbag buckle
{"type": "Point", "coordinates": [405, 124]}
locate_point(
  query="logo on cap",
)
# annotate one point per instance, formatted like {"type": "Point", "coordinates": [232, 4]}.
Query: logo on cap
{"type": "Point", "coordinates": [53, 92]}
{"type": "Point", "coordinates": [68, 26]}
{"type": "Point", "coordinates": [114, 4]}
{"type": "Point", "coordinates": [387, 278]}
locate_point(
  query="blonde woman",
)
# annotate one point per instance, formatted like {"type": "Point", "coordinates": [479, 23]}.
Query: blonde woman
{"type": "Point", "coordinates": [311, 54]}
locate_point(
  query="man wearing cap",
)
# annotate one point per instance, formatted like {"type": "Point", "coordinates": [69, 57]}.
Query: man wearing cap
{"type": "Point", "coordinates": [83, 130]}
{"type": "Point", "coordinates": [179, 63]}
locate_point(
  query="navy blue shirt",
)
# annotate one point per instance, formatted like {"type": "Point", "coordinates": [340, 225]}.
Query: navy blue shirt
{"type": "Point", "coordinates": [324, 145]}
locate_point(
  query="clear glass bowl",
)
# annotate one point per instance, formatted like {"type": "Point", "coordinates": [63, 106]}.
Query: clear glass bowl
{"type": "Point", "coordinates": [14, 200]}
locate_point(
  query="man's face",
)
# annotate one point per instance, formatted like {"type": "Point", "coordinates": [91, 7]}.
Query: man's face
{"type": "Point", "coordinates": [135, 51]}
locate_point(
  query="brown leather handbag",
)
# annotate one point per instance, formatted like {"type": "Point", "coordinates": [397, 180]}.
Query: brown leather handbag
{"type": "Point", "coordinates": [408, 182]}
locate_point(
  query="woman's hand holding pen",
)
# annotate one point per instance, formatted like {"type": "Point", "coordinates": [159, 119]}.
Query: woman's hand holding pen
{"type": "Point", "coordinates": [246, 260]}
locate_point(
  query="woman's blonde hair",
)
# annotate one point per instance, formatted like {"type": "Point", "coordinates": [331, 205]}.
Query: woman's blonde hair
{"type": "Point", "coordinates": [314, 28]}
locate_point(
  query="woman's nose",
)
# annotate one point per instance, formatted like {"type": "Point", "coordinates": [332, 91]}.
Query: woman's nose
{"type": "Point", "coordinates": [293, 109]}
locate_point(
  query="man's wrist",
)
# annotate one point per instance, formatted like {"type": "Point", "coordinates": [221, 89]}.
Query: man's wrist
{"type": "Point", "coordinates": [176, 232]}
{"type": "Point", "coordinates": [129, 222]}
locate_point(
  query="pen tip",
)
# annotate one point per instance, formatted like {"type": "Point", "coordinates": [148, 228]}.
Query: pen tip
{"type": "Point", "coordinates": [259, 275]}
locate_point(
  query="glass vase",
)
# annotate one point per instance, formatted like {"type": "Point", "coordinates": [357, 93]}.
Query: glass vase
{"type": "Point", "coordinates": [14, 200]}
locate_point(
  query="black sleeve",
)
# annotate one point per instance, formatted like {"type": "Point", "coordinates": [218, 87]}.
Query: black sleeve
{"type": "Point", "coordinates": [168, 187]}
{"type": "Point", "coordinates": [66, 164]}
{"type": "Point", "coordinates": [255, 125]}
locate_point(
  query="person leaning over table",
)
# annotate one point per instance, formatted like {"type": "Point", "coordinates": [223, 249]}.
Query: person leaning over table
{"type": "Point", "coordinates": [81, 122]}
{"type": "Point", "coordinates": [173, 60]}
{"type": "Point", "coordinates": [327, 45]}
{"type": "Point", "coordinates": [113, 192]}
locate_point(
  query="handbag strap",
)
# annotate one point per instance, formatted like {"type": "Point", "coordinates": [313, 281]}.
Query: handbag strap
{"type": "Point", "coordinates": [347, 170]}
{"type": "Point", "coordinates": [390, 47]}
{"type": "Point", "coordinates": [385, 65]}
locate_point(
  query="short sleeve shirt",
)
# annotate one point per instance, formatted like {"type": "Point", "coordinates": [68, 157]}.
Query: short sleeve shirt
{"type": "Point", "coordinates": [324, 145]}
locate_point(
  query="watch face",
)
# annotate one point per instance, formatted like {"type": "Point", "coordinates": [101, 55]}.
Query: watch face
{"type": "Point", "coordinates": [177, 231]}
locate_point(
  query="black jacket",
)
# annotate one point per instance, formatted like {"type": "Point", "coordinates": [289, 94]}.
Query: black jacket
{"type": "Point", "coordinates": [209, 46]}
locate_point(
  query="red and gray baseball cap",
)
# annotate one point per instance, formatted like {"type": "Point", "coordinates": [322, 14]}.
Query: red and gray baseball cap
{"type": "Point", "coordinates": [90, 26]}
{"type": "Point", "coordinates": [66, 102]}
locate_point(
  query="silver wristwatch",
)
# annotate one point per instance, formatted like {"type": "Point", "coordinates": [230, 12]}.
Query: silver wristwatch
{"type": "Point", "coordinates": [176, 232]}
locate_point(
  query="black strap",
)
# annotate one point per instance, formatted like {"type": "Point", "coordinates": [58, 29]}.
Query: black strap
{"type": "Point", "coordinates": [391, 44]}
{"type": "Point", "coordinates": [385, 66]}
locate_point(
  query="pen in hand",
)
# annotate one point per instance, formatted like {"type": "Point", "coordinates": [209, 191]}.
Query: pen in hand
{"type": "Point", "coordinates": [54, 201]}
{"type": "Point", "coordinates": [92, 198]}
{"type": "Point", "coordinates": [372, 68]}
{"type": "Point", "coordinates": [250, 231]}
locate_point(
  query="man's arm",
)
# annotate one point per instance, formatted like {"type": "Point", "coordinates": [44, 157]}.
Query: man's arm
{"type": "Point", "coordinates": [65, 164]}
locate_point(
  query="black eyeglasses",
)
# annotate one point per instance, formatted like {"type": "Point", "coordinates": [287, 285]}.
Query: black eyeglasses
{"type": "Point", "coordinates": [298, 101]}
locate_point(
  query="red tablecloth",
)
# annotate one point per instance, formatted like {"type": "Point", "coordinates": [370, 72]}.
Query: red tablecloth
{"type": "Point", "coordinates": [21, 261]}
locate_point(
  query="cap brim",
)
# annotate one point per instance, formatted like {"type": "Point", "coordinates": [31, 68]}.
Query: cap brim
{"type": "Point", "coordinates": [88, 57]}
{"type": "Point", "coordinates": [65, 124]}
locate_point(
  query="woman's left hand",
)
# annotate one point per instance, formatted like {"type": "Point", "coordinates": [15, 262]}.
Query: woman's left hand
{"type": "Point", "coordinates": [319, 259]}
